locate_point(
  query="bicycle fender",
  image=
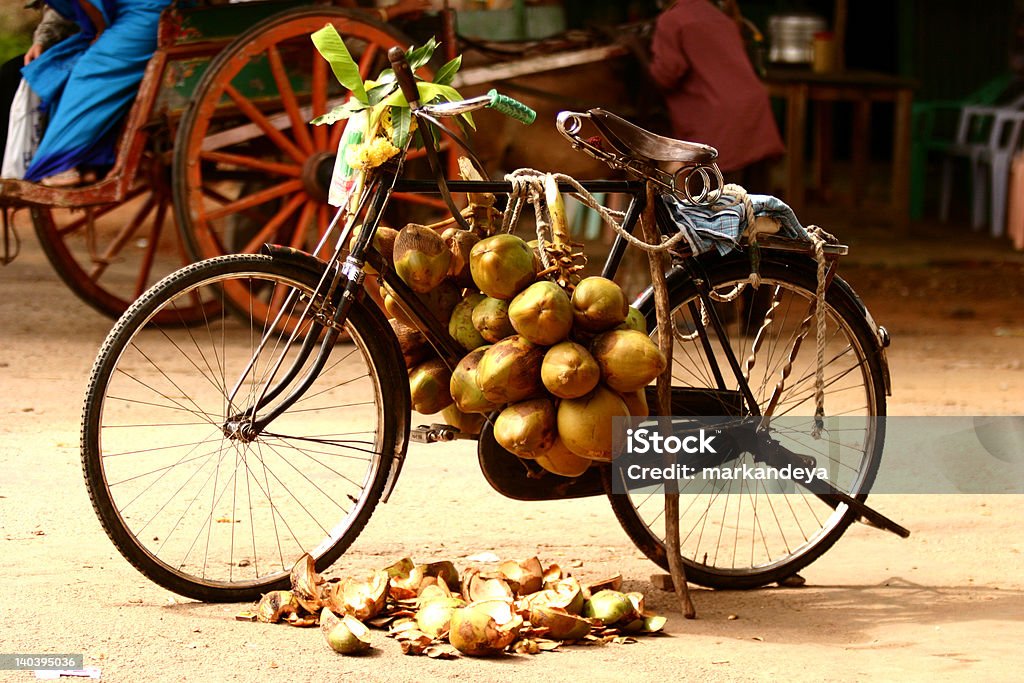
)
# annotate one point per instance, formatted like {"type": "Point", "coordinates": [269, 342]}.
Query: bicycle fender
{"type": "Point", "coordinates": [399, 402]}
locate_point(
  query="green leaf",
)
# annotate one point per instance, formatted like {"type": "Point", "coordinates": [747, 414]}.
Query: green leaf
{"type": "Point", "coordinates": [446, 73]}
{"type": "Point", "coordinates": [332, 47]}
{"type": "Point", "coordinates": [377, 93]}
{"type": "Point", "coordinates": [340, 113]}
{"type": "Point", "coordinates": [401, 121]}
{"type": "Point", "coordinates": [418, 56]}
{"type": "Point", "coordinates": [432, 91]}
{"type": "Point", "coordinates": [395, 99]}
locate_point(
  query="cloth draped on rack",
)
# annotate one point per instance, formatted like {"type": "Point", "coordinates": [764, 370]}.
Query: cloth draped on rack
{"type": "Point", "coordinates": [723, 225]}
{"type": "Point", "coordinates": [88, 81]}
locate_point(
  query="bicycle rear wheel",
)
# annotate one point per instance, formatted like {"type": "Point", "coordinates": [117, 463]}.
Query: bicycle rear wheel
{"type": "Point", "coordinates": [735, 534]}
{"type": "Point", "coordinates": [203, 509]}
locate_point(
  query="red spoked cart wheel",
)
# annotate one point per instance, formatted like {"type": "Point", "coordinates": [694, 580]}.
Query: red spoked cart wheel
{"type": "Point", "coordinates": [111, 253]}
{"type": "Point", "coordinates": [248, 167]}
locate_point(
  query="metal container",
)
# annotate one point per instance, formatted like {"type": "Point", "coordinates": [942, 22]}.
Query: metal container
{"type": "Point", "coordinates": [792, 37]}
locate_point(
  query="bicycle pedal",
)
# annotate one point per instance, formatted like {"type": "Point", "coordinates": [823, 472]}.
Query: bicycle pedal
{"type": "Point", "coordinates": [436, 433]}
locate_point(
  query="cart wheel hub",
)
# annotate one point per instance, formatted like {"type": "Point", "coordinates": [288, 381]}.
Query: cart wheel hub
{"type": "Point", "coordinates": [316, 174]}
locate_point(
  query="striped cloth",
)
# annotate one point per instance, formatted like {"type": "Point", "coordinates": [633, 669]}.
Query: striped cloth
{"type": "Point", "coordinates": [722, 225]}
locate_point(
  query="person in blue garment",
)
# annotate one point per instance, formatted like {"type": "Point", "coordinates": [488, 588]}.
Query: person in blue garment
{"type": "Point", "coordinates": [88, 81]}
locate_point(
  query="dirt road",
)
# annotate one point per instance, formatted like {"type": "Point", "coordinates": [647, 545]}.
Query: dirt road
{"type": "Point", "coordinates": [946, 604]}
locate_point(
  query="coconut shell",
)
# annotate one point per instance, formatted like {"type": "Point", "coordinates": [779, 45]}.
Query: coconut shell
{"type": "Point", "coordinates": [421, 257]}
{"type": "Point", "coordinates": [501, 265]}
{"type": "Point", "coordinates": [464, 388]}
{"type": "Point", "coordinates": [585, 423]}
{"type": "Point", "coordinates": [526, 429]}
{"type": "Point", "coordinates": [490, 318]}
{"type": "Point", "coordinates": [542, 313]}
{"type": "Point", "coordinates": [599, 304]}
{"type": "Point", "coordinates": [345, 635]}
{"type": "Point", "coordinates": [629, 360]}
{"type": "Point", "coordinates": [484, 628]}
{"type": "Point", "coordinates": [569, 371]}
{"type": "Point", "coordinates": [429, 387]}
{"type": "Point", "coordinates": [509, 371]}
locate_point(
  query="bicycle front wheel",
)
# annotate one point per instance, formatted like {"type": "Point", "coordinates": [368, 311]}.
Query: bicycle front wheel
{"type": "Point", "coordinates": [200, 506]}
{"type": "Point", "coordinates": [744, 534]}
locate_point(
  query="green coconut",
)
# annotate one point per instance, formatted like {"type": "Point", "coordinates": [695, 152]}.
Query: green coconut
{"type": "Point", "coordinates": [569, 371]}
{"type": "Point", "coordinates": [635, 320]}
{"type": "Point", "coordinates": [598, 304]}
{"type": "Point", "coordinates": [465, 390]}
{"type": "Point", "coordinates": [383, 242]}
{"type": "Point", "coordinates": [629, 360]}
{"type": "Point", "coordinates": [440, 301]}
{"type": "Point", "coordinates": [490, 318]}
{"type": "Point", "coordinates": [527, 428]}
{"type": "Point", "coordinates": [509, 371]}
{"type": "Point", "coordinates": [542, 313]}
{"type": "Point", "coordinates": [421, 257]}
{"type": "Point", "coordinates": [501, 265]}
{"type": "Point", "coordinates": [561, 461]}
{"type": "Point", "coordinates": [585, 423]}
{"type": "Point", "coordinates": [414, 345]}
{"type": "Point", "coordinates": [467, 423]}
{"type": "Point", "coordinates": [460, 243]}
{"type": "Point", "coordinates": [636, 403]}
{"type": "Point", "coordinates": [460, 326]}
{"type": "Point", "coordinates": [429, 387]}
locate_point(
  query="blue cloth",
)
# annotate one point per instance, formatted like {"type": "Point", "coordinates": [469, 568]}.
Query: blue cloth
{"type": "Point", "coordinates": [721, 225]}
{"type": "Point", "coordinates": [88, 85]}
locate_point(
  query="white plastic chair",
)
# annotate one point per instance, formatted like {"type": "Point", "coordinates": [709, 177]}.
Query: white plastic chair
{"type": "Point", "coordinates": [988, 137]}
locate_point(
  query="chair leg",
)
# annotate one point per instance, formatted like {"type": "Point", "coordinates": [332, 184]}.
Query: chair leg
{"type": "Point", "coordinates": [978, 194]}
{"type": "Point", "coordinates": [999, 185]}
{"type": "Point", "coordinates": [947, 189]}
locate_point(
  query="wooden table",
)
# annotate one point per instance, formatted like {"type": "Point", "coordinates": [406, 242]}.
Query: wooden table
{"type": "Point", "coordinates": [799, 87]}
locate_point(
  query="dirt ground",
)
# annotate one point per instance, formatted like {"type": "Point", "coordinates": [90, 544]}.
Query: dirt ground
{"type": "Point", "coordinates": [945, 604]}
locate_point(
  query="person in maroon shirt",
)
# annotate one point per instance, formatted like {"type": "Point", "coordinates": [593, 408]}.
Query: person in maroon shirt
{"type": "Point", "coordinates": [713, 95]}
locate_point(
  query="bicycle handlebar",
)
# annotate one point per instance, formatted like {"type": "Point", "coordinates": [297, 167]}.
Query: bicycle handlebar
{"type": "Point", "coordinates": [403, 74]}
{"type": "Point", "coordinates": [494, 100]}
{"type": "Point", "coordinates": [511, 107]}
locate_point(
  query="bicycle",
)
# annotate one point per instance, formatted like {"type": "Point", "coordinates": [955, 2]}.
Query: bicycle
{"type": "Point", "coordinates": [216, 455]}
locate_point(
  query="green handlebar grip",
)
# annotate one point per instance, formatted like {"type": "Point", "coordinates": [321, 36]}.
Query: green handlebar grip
{"type": "Point", "coordinates": [512, 108]}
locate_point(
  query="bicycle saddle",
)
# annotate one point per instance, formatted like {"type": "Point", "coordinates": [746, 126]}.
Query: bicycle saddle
{"type": "Point", "coordinates": [633, 140]}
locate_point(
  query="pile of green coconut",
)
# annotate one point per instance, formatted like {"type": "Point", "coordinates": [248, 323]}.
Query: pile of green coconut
{"type": "Point", "coordinates": [431, 609]}
{"type": "Point", "coordinates": [554, 356]}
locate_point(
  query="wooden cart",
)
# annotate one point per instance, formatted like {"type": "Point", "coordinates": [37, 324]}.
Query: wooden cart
{"type": "Point", "coordinates": [218, 142]}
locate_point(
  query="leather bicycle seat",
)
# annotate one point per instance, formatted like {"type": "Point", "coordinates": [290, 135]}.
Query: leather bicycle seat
{"type": "Point", "coordinates": [632, 140]}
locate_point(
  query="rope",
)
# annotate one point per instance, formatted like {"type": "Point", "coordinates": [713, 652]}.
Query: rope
{"type": "Point", "coordinates": [528, 185]}
{"type": "Point", "coordinates": [818, 239]}
{"type": "Point", "coordinates": [530, 176]}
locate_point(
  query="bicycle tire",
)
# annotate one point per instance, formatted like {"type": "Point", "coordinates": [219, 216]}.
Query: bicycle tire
{"type": "Point", "coordinates": [157, 393]}
{"type": "Point", "coordinates": [795, 274]}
